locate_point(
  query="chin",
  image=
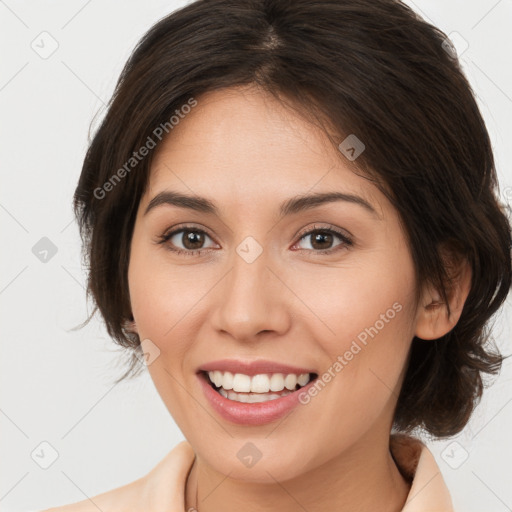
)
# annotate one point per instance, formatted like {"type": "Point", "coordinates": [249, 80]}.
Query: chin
{"type": "Point", "coordinates": [258, 460]}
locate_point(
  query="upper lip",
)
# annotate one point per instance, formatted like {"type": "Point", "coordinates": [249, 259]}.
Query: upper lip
{"type": "Point", "coordinates": [252, 367]}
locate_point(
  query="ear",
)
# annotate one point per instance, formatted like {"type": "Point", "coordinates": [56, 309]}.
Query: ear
{"type": "Point", "coordinates": [432, 320]}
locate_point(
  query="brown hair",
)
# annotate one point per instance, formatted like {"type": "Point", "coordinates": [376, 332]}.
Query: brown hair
{"type": "Point", "coordinates": [367, 67]}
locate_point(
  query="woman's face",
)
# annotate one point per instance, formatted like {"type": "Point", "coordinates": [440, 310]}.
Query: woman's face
{"type": "Point", "coordinates": [252, 284]}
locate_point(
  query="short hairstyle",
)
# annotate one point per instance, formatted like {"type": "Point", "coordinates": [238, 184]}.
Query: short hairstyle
{"type": "Point", "coordinates": [372, 68]}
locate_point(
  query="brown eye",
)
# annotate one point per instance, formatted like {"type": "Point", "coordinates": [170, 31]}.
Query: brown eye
{"type": "Point", "coordinates": [192, 239]}
{"type": "Point", "coordinates": [188, 241]}
{"type": "Point", "coordinates": [322, 240]}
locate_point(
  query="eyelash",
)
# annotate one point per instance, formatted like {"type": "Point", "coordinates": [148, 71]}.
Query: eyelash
{"type": "Point", "coordinates": [347, 242]}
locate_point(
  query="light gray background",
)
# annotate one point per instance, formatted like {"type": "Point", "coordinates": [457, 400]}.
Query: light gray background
{"type": "Point", "coordinates": [55, 382]}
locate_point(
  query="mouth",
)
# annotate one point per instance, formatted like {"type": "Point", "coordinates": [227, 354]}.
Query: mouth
{"type": "Point", "coordinates": [258, 388]}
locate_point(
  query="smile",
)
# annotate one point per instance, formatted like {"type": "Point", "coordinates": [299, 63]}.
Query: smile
{"type": "Point", "coordinates": [257, 388]}
{"type": "Point", "coordinates": [253, 392]}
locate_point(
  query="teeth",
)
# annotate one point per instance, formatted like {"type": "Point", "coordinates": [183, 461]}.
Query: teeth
{"type": "Point", "coordinates": [217, 378]}
{"type": "Point", "coordinates": [251, 398]}
{"type": "Point", "coordinates": [241, 382]}
{"type": "Point", "coordinates": [290, 381]}
{"type": "Point", "coordinates": [226, 380]}
{"type": "Point", "coordinates": [261, 383]}
{"type": "Point", "coordinates": [303, 379]}
{"type": "Point", "coordinates": [276, 382]}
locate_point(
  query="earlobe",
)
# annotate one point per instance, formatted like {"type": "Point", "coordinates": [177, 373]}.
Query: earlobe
{"type": "Point", "coordinates": [433, 320]}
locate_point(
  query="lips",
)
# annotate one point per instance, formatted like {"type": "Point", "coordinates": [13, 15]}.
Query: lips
{"type": "Point", "coordinates": [265, 390]}
{"type": "Point", "coordinates": [252, 413]}
{"type": "Point", "coordinates": [253, 367]}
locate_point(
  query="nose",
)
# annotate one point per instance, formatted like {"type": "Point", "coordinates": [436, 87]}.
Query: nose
{"type": "Point", "coordinates": [252, 300]}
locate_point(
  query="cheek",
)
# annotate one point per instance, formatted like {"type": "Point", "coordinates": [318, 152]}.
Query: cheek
{"type": "Point", "coordinates": [360, 300]}
{"type": "Point", "coordinates": [160, 304]}
{"type": "Point", "coordinates": [365, 360]}
{"type": "Point", "coordinates": [364, 321]}
{"type": "Point", "coordinates": [160, 295]}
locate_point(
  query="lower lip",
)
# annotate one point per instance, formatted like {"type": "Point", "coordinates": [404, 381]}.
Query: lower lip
{"type": "Point", "coordinates": [243, 413]}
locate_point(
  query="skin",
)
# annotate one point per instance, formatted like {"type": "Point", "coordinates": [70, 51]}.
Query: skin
{"type": "Point", "coordinates": [247, 153]}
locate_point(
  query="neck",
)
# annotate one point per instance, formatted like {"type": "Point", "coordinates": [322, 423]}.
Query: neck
{"type": "Point", "coordinates": [363, 478]}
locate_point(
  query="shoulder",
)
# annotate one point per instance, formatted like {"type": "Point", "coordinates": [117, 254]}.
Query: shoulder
{"type": "Point", "coordinates": [417, 464]}
{"type": "Point", "coordinates": [164, 484]}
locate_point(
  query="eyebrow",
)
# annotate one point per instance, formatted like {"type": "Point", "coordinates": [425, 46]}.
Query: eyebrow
{"type": "Point", "coordinates": [289, 207]}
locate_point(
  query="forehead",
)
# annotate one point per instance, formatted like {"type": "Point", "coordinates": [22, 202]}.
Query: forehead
{"type": "Point", "coordinates": [242, 144]}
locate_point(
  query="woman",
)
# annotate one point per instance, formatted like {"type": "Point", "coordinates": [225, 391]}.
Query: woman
{"type": "Point", "coordinates": [289, 213]}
